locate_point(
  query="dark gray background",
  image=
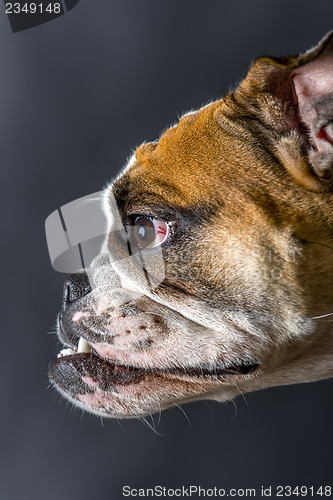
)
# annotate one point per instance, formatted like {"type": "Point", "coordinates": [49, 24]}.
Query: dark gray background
{"type": "Point", "coordinates": [77, 95]}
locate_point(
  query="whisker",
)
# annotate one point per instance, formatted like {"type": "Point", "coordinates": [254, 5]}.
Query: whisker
{"type": "Point", "coordinates": [235, 408]}
{"type": "Point", "coordinates": [185, 414]}
{"type": "Point", "coordinates": [144, 420]}
{"type": "Point", "coordinates": [120, 425]}
{"type": "Point", "coordinates": [241, 393]}
{"type": "Point", "coordinates": [159, 414]}
{"type": "Point", "coordinates": [322, 316]}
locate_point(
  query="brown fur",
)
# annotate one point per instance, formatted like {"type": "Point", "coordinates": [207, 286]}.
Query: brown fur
{"type": "Point", "coordinates": [249, 261]}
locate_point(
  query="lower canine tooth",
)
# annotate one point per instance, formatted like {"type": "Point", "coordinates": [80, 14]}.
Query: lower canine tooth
{"type": "Point", "coordinates": [66, 352]}
{"type": "Point", "coordinates": [83, 346]}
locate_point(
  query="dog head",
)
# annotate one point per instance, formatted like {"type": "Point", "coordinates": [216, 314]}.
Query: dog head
{"type": "Point", "coordinates": [234, 206]}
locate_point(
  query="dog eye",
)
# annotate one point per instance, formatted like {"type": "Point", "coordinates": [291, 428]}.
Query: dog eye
{"type": "Point", "coordinates": [150, 232]}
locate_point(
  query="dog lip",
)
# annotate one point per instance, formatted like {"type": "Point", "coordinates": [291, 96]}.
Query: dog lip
{"type": "Point", "coordinates": [66, 373]}
{"type": "Point", "coordinates": [114, 372]}
{"type": "Point", "coordinates": [218, 372]}
{"type": "Point", "coordinates": [69, 341]}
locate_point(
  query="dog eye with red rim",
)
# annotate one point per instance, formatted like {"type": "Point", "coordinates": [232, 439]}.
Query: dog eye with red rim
{"type": "Point", "coordinates": [150, 232]}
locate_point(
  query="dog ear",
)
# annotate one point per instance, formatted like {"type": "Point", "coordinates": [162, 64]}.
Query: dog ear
{"type": "Point", "coordinates": [313, 87]}
{"type": "Point", "coordinates": [294, 97]}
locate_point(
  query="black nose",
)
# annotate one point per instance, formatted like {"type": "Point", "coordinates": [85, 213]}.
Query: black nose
{"type": "Point", "coordinates": [76, 286]}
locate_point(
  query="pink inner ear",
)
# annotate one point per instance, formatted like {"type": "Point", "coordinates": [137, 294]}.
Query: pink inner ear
{"type": "Point", "coordinates": [312, 81]}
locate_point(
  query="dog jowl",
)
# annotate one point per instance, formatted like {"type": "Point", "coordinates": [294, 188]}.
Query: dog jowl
{"type": "Point", "coordinates": [238, 200]}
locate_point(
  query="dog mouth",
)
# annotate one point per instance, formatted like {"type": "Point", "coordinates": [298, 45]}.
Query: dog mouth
{"type": "Point", "coordinates": [85, 352]}
{"type": "Point", "coordinates": [111, 375]}
{"type": "Point", "coordinates": [108, 388]}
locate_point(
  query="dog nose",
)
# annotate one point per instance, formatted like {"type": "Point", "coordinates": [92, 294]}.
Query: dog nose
{"type": "Point", "coordinates": [76, 286]}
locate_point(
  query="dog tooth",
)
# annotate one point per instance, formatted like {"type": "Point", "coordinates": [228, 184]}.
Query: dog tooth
{"type": "Point", "coordinates": [83, 346]}
{"type": "Point", "coordinates": [66, 352]}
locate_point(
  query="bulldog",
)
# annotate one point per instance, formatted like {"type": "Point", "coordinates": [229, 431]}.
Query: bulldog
{"type": "Point", "coordinates": [238, 199]}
